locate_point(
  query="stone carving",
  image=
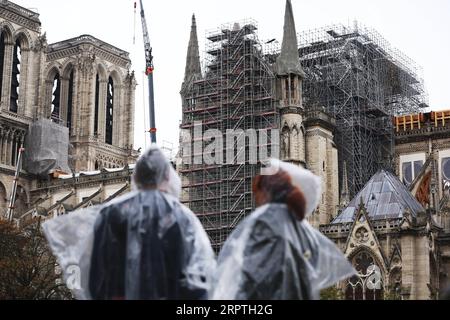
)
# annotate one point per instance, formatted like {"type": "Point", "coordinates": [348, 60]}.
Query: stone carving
{"type": "Point", "coordinates": [362, 235]}
{"type": "Point", "coordinates": [286, 145]}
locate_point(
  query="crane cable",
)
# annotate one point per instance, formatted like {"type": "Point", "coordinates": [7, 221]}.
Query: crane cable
{"type": "Point", "coordinates": [134, 24]}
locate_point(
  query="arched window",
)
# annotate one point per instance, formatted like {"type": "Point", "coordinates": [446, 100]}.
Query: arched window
{"type": "Point", "coordinates": [367, 284]}
{"type": "Point", "coordinates": [56, 93]}
{"type": "Point", "coordinates": [70, 103]}
{"type": "Point", "coordinates": [2, 58]}
{"type": "Point", "coordinates": [97, 97]}
{"type": "Point", "coordinates": [109, 111]}
{"type": "Point", "coordinates": [15, 77]}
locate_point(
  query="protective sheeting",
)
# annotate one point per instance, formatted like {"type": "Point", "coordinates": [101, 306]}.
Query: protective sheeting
{"type": "Point", "coordinates": [71, 238]}
{"type": "Point", "coordinates": [151, 240]}
{"type": "Point", "coordinates": [272, 255]}
{"type": "Point", "coordinates": [46, 148]}
{"type": "Point", "coordinates": [143, 245]}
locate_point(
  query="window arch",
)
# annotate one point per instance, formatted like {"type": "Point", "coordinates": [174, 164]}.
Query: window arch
{"type": "Point", "coordinates": [56, 93]}
{"type": "Point", "coordinates": [67, 96]}
{"type": "Point", "coordinates": [15, 76]}
{"type": "Point", "coordinates": [368, 283]}
{"type": "Point", "coordinates": [109, 111]}
{"type": "Point", "coordinates": [2, 59]}
{"type": "Point", "coordinates": [70, 102]}
{"type": "Point", "coordinates": [6, 47]}
{"type": "Point", "coordinates": [20, 55]}
{"type": "Point", "coordinates": [97, 101]}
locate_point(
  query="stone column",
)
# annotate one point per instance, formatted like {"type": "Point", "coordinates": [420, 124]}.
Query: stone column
{"type": "Point", "coordinates": [63, 100]}
{"type": "Point", "coordinates": [8, 149]}
{"type": "Point", "coordinates": [23, 82]}
{"type": "Point", "coordinates": [2, 146]}
{"type": "Point", "coordinates": [415, 266]}
{"type": "Point", "coordinates": [47, 105]}
{"type": "Point", "coordinates": [117, 115]}
{"type": "Point", "coordinates": [7, 69]}
{"type": "Point", "coordinates": [101, 128]}
{"type": "Point", "coordinates": [316, 144]}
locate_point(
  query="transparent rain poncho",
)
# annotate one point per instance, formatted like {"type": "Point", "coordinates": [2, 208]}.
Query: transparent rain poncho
{"type": "Point", "coordinates": [143, 245]}
{"type": "Point", "coordinates": [272, 255]}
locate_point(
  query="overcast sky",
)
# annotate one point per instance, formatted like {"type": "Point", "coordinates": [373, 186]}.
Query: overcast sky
{"type": "Point", "coordinates": [418, 28]}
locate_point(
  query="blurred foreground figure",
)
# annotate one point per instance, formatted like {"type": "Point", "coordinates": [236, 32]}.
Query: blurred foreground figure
{"type": "Point", "coordinates": [274, 253]}
{"type": "Point", "coordinates": [143, 245]}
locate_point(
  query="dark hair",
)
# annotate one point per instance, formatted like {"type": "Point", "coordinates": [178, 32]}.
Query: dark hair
{"type": "Point", "coordinates": [278, 188]}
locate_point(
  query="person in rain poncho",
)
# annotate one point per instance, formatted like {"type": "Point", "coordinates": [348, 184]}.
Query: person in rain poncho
{"type": "Point", "coordinates": [274, 253]}
{"type": "Point", "coordinates": [143, 245]}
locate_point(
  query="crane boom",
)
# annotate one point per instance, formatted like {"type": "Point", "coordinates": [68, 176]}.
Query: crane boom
{"type": "Point", "coordinates": [149, 73]}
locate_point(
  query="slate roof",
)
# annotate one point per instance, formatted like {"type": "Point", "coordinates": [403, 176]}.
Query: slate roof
{"type": "Point", "coordinates": [385, 197]}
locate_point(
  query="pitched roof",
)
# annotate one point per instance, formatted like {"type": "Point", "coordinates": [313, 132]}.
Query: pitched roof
{"type": "Point", "coordinates": [385, 197]}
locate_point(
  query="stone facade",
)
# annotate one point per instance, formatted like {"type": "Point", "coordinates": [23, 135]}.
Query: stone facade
{"type": "Point", "coordinates": [411, 250]}
{"type": "Point", "coordinates": [82, 83]}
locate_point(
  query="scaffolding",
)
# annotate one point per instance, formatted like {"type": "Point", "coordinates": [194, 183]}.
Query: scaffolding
{"type": "Point", "coordinates": [350, 72]}
{"type": "Point", "coordinates": [362, 81]}
{"type": "Point", "coordinates": [235, 93]}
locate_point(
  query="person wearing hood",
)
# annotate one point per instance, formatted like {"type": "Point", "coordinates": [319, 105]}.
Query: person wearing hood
{"type": "Point", "coordinates": [275, 253]}
{"type": "Point", "coordinates": [143, 245]}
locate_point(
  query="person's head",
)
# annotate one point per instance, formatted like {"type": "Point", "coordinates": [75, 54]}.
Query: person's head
{"type": "Point", "coordinates": [295, 186]}
{"type": "Point", "coordinates": [154, 171]}
{"type": "Point", "coordinates": [278, 188]}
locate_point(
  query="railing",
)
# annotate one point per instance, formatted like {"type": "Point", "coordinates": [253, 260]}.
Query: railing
{"type": "Point", "coordinates": [85, 38]}
{"type": "Point", "coordinates": [19, 9]}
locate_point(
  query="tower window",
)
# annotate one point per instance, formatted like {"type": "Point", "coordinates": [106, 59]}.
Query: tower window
{"type": "Point", "coordinates": [70, 103]}
{"type": "Point", "coordinates": [15, 78]}
{"type": "Point", "coordinates": [411, 170]}
{"type": "Point", "coordinates": [2, 58]}
{"type": "Point", "coordinates": [97, 96]}
{"type": "Point", "coordinates": [56, 92]}
{"type": "Point", "coordinates": [109, 111]}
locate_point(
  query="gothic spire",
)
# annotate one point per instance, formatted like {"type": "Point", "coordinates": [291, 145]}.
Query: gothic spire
{"type": "Point", "coordinates": [193, 57]}
{"type": "Point", "coordinates": [288, 60]}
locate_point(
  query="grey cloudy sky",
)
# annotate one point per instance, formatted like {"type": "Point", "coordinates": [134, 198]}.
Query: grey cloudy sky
{"type": "Point", "coordinates": [418, 28]}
